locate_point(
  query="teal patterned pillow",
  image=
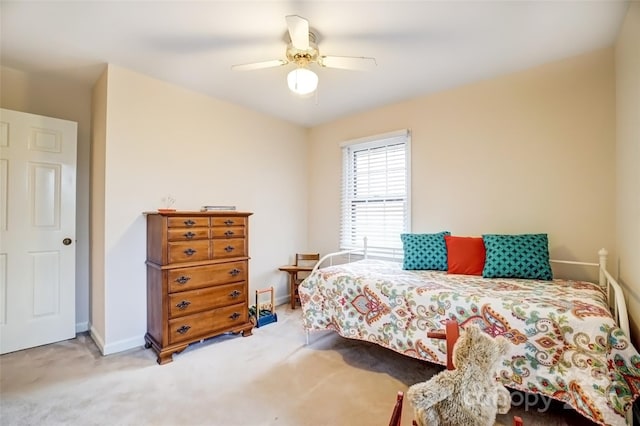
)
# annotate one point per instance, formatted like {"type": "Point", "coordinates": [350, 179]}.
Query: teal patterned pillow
{"type": "Point", "coordinates": [425, 251]}
{"type": "Point", "coordinates": [517, 256]}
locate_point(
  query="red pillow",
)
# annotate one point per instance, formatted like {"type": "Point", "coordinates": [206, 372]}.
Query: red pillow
{"type": "Point", "coordinates": [465, 255]}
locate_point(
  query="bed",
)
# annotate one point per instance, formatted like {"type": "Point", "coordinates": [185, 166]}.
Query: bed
{"type": "Point", "coordinates": [568, 339]}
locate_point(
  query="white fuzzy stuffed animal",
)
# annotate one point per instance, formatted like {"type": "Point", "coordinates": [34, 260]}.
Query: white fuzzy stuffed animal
{"type": "Point", "coordinates": [470, 394]}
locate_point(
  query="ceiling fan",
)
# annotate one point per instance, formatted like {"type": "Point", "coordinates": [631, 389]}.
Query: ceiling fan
{"type": "Point", "coordinates": [303, 51]}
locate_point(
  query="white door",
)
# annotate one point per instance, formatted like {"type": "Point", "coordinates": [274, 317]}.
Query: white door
{"type": "Point", "coordinates": [37, 230]}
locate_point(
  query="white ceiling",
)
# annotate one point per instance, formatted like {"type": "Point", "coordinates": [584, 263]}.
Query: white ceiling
{"type": "Point", "coordinates": [420, 46]}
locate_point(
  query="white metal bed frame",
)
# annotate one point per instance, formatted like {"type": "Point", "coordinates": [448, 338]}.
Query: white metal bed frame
{"type": "Point", "coordinates": [615, 296]}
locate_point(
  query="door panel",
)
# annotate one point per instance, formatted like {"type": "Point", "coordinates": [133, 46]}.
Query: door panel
{"type": "Point", "coordinates": [44, 195]}
{"type": "Point", "coordinates": [37, 212]}
{"type": "Point", "coordinates": [45, 284]}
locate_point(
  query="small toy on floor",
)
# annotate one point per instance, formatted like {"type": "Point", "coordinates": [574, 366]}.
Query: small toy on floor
{"type": "Point", "coordinates": [469, 395]}
{"type": "Point", "coordinates": [263, 313]}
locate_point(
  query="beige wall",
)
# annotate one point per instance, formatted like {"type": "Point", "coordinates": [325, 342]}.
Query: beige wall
{"type": "Point", "coordinates": [161, 139]}
{"type": "Point", "coordinates": [60, 98]}
{"type": "Point", "coordinates": [627, 61]}
{"type": "Point", "coordinates": [528, 152]}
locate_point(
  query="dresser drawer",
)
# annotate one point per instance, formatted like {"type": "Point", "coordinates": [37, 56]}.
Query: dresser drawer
{"type": "Point", "coordinates": [188, 222]}
{"type": "Point", "coordinates": [206, 323]}
{"type": "Point", "coordinates": [189, 251]}
{"type": "Point", "coordinates": [231, 247]}
{"type": "Point", "coordinates": [228, 232]}
{"type": "Point", "coordinates": [228, 221]}
{"type": "Point", "coordinates": [189, 302]}
{"type": "Point", "coordinates": [183, 234]}
{"type": "Point", "coordinates": [181, 279]}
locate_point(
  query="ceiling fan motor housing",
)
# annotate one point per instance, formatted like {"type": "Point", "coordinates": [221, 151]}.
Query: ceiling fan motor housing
{"type": "Point", "coordinates": [304, 57]}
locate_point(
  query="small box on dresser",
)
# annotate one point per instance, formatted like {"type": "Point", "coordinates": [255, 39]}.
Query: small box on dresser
{"type": "Point", "coordinates": [197, 278]}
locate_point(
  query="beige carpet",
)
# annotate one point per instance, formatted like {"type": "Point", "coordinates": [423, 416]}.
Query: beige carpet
{"type": "Point", "coordinates": [270, 378]}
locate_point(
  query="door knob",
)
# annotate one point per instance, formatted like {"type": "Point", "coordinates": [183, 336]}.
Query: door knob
{"type": "Point", "coordinates": [66, 241]}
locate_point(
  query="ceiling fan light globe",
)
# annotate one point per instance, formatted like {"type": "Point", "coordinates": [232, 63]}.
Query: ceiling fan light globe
{"type": "Point", "coordinates": [302, 81]}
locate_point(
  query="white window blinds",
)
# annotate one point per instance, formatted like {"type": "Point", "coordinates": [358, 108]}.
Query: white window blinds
{"type": "Point", "coordinates": [375, 193]}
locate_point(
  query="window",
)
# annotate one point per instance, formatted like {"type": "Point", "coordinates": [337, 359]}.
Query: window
{"type": "Point", "coordinates": [375, 193]}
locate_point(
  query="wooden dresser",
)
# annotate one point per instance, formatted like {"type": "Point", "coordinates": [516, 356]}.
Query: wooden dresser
{"type": "Point", "coordinates": [197, 278]}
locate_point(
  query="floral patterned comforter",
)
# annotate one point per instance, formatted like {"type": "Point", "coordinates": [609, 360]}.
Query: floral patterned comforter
{"type": "Point", "coordinates": [564, 341]}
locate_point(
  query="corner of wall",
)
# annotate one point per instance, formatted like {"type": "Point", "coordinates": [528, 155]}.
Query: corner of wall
{"type": "Point", "coordinates": [627, 80]}
{"type": "Point", "coordinates": [97, 338]}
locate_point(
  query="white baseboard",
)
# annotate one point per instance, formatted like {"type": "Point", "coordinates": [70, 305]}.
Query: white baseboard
{"type": "Point", "coordinates": [134, 342]}
{"type": "Point", "coordinates": [282, 300]}
{"type": "Point", "coordinates": [123, 345]}
{"type": "Point", "coordinates": [82, 326]}
{"type": "Point", "coordinates": [115, 347]}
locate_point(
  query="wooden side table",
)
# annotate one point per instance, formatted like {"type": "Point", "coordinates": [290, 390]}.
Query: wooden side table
{"type": "Point", "coordinates": [293, 277]}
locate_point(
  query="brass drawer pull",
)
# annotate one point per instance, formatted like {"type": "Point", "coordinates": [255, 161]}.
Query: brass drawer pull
{"type": "Point", "coordinates": [234, 316]}
{"type": "Point", "coordinates": [229, 249]}
{"type": "Point", "coordinates": [183, 329]}
{"type": "Point", "coordinates": [182, 279]}
{"type": "Point", "coordinates": [189, 222]}
{"type": "Point", "coordinates": [228, 233]}
{"type": "Point", "coordinates": [234, 271]}
{"type": "Point", "coordinates": [189, 235]}
{"type": "Point", "coordinates": [234, 294]}
{"type": "Point", "coordinates": [228, 222]}
{"type": "Point", "coordinates": [189, 252]}
{"type": "Point", "coordinates": [183, 305]}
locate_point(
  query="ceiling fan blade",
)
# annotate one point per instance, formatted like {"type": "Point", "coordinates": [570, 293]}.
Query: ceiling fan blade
{"type": "Point", "coordinates": [361, 63]}
{"type": "Point", "coordinates": [298, 31]}
{"type": "Point", "coordinates": [259, 65]}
